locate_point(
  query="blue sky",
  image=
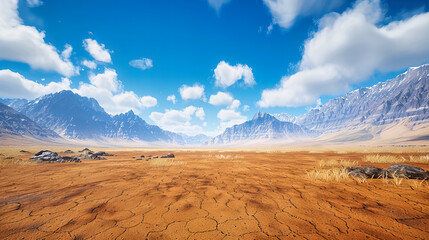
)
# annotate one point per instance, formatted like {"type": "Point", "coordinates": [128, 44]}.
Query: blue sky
{"type": "Point", "coordinates": [271, 55]}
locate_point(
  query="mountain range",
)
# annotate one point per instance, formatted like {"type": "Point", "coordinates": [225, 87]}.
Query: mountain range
{"type": "Point", "coordinates": [68, 115]}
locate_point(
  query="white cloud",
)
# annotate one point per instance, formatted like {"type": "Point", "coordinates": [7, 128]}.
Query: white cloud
{"type": "Point", "coordinates": [235, 104]}
{"type": "Point", "coordinates": [107, 80]}
{"type": "Point", "coordinates": [246, 108]}
{"type": "Point", "coordinates": [226, 75]}
{"type": "Point", "coordinates": [179, 120]}
{"type": "Point", "coordinates": [217, 4]}
{"type": "Point", "coordinates": [348, 48]}
{"type": "Point", "coordinates": [270, 29]}
{"type": "Point", "coordinates": [148, 101]}
{"type": "Point", "coordinates": [200, 113]}
{"type": "Point", "coordinates": [194, 92]}
{"type": "Point", "coordinates": [97, 51]}
{"type": "Point", "coordinates": [230, 118]}
{"type": "Point", "coordinates": [221, 98]}
{"type": "Point", "coordinates": [21, 43]}
{"type": "Point", "coordinates": [34, 3]}
{"type": "Point", "coordinates": [172, 98]}
{"type": "Point", "coordinates": [14, 85]}
{"type": "Point", "coordinates": [66, 53]}
{"type": "Point", "coordinates": [144, 63]}
{"type": "Point", "coordinates": [285, 12]}
{"type": "Point", "coordinates": [89, 64]}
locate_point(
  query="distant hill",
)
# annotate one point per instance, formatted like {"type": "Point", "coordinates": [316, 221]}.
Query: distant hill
{"type": "Point", "coordinates": [15, 123]}
{"type": "Point", "coordinates": [263, 126]}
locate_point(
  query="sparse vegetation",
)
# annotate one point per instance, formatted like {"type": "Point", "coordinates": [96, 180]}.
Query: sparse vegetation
{"type": "Point", "coordinates": [12, 161]}
{"type": "Point", "coordinates": [165, 162]}
{"type": "Point", "coordinates": [328, 175]}
{"type": "Point", "coordinates": [383, 159]}
{"type": "Point", "coordinates": [420, 159]}
{"type": "Point", "coordinates": [337, 163]}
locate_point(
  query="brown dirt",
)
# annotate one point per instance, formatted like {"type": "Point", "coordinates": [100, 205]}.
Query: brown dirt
{"type": "Point", "coordinates": [248, 195]}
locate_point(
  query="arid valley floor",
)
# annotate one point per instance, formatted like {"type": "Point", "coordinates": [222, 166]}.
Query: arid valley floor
{"type": "Point", "coordinates": [208, 194]}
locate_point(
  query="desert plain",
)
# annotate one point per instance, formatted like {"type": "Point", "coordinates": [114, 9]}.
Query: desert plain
{"type": "Point", "coordinates": [209, 194]}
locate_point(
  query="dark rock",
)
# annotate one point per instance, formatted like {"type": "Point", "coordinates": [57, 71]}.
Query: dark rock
{"type": "Point", "coordinates": [133, 157]}
{"type": "Point", "coordinates": [364, 172]}
{"type": "Point", "coordinates": [406, 171]}
{"type": "Point", "coordinates": [170, 155]}
{"type": "Point", "coordinates": [68, 151]}
{"type": "Point", "coordinates": [156, 157]}
{"type": "Point", "coordinates": [91, 155]}
{"type": "Point", "coordinates": [138, 159]}
{"type": "Point", "coordinates": [142, 156]}
{"type": "Point", "coordinates": [23, 151]}
{"type": "Point", "coordinates": [85, 150]}
{"type": "Point", "coordinates": [49, 156]}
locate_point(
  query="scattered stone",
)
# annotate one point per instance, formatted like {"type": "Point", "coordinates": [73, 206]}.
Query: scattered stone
{"type": "Point", "coordinates": [23, 151]}
{"type": "Point", "coordinates": [365, 172]}
{"type": "Point", "coordinates": [139, 159]}
{"type": "Point", "coordinates": [142, 156]}
{"type": "Point", "coordinates": [406, 171]}
{"type": "Point", "coordinates": [68, 151]}
{"type": "Point", "coordinates": [402, 171]}
{"type": "Point", "coordinates": [9, 157]}
{"type": "Point", "coordinates": [85, 150]}
{"type": "Point", "coordinates": [149, 156]}
{"type": "Point", "coordinates": [133, 157]}
{"type": "Point", "coordinates": [49, 156]}
{"type": "Point", "coordinates": [170, 155]}
{"type": "Point", "coordinates": [156, 157]}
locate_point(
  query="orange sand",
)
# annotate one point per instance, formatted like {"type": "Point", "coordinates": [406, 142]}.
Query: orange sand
{"type": "Point", "coordinates": [247, 195]}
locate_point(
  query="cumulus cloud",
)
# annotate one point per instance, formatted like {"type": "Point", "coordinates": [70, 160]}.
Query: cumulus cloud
{"type": "Point", "coordinates": [229, 118]}
{"type": "Point", "coordinates": [179, 120]}
{"type": "Point", "coordinates": [191, 92]}
{"type": "Point", "coordinates": [226, 75]}
{"type": "Point", "coordinates": [14, 85]}
{"type": "Point", "coordinates": [89, 64]}
{"type": "Point", "coordinates": [246, 108]}
{"type": "Point", "coordinates": [172, 98]}
{"type": "Point", "coordinates": [348, 48]}
{"type": "Point", "coordinates": [217, 4]}
{"type": "Point", "coordinates": [235, 104]}
{"type": "Point", "coordinates": [108, 91]}
{"type": "Point", "coordinates": [144, 63]}
{"type": "Point", "coordinates": [97, 51]}
{"type": "Point", "coordinates": [148, 101]}
{"type": "Point", "coordinates": [66, 53]}
{"type": "Point", "coordinates": [34, 3]}
{"type": "Point", "coordinates": [21, 43]}
{"type": "Point", "coordinates": [221, 98]}
{"type": "Point", "coordinates": [285, 12]}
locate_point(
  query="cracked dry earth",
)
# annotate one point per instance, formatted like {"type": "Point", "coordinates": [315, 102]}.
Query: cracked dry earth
{"type": "Point", "coordinates": [252, 196]}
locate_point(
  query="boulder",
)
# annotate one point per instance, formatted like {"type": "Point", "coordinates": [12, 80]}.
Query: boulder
{"type": "Point", "coordinates": [406, 171]}
{"type": "Point", "coordinates": [68, 151]}
{"type": "Point", "coordinates": [49, 156]}
{"type": "Point", "coordinates": [142, 156]}
{"type": "Point", "coordinates": [23, 151]}
{"type": "Point", "coordinates": [364, 172]}
{"type": "Point", "coordinates": [170, 155]}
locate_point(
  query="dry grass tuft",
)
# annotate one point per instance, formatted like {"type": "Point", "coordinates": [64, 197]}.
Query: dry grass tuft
{"type": "Point", "coordinates": [382, 159]}
{"type": "Point", "coordinates": [328, 175]}
{"type": "Point", "coordinates": [165, 162]}
{"type": "Point", "coordinates": [11, 161]}
{"type": "Point", "coordinates": [420, 159]}
{"type": "Point", "coordinates": [335, 163]}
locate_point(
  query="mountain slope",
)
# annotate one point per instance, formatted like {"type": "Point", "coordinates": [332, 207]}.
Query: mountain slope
{"type": "Point", "coordinates": [15, 123]}
{"type": "Point", "coordinates": [263, 126]}
{"type": "Point", "coordinates": [405, 97]}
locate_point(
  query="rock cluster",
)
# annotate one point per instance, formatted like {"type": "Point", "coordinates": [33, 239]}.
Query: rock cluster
{"type": "Point", "coordinates": [402, 171]}
{"type": "Point", "coordinates": [169, 155]}
{"type": "Point", "coordinates": [49, 156]}
{"type": "Point", "coordinates": [88, 154]}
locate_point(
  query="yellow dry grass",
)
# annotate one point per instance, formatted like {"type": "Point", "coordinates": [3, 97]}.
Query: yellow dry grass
{"type": "Point", "coordinates": [165, 162]}
{"type": "Point", "coordinates": [223, 156]}
{"type": "Point", "coordinates": [12, 161]}
{"type": "Point", "coordinates": [328, 175]}
{"type": "Point", "coordinates": [383, 159]}
{"type": "Point", "coordinates": [420, 159]}
{"type": "Point", "coordinates": [337, 163]}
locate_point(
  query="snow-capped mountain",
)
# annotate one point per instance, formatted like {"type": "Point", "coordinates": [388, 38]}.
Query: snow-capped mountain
{"type": "Point", "coordinates": [14, 123]}
{"type": "Point", "coordinates": [76, 117]}
{"type": "Point", "coordinates": [404, 97]}
{"type": "Point", "coordinates": [263, 126]}
{"type": "Point", "coordinates": [285, 117]}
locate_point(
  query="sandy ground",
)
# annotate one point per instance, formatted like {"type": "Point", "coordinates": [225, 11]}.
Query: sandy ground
{"type": "Point", "coordinates": [205, 195]}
